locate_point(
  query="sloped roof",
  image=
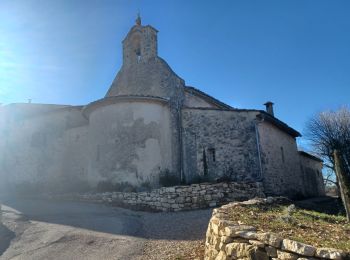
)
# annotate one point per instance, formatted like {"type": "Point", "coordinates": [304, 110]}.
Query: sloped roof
{"type": "Point", "coordinates": [310, 156]}
{"type": "Point", "coordinates": [263, 115]}
{"type": "Point", "coordinates": [278, 123]}
{"type": "Point", "coordinates": [29, 110]}
{"type": "Point", "coordinates": [207, 97]}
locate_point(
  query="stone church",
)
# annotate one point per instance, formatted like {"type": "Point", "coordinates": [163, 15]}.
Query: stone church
{"type": "Point", "coordinates": [148, 129]}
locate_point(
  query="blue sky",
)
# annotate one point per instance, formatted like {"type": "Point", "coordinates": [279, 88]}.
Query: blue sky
{"type": "Point", "coordinates": [295, 53]}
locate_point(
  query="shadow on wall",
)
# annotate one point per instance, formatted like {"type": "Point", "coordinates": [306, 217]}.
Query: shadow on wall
{"type": "Point", "coordinates": [6, 236]}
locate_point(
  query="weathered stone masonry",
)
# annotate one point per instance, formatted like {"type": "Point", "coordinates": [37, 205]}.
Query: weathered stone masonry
{"type": "Point", "coordinates": [206, 135]}
{"type": "Point", "coordinates": [177, 198]}
{"type": "Point", "coordinates": [150, 123]}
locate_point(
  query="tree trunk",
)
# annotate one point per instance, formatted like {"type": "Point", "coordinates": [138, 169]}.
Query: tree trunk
{"type": "Point", "coordinates": [343, 181]}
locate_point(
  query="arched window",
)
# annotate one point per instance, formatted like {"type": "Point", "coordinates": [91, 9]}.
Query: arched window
{"type": "Point", "coordinates": [136, 46]}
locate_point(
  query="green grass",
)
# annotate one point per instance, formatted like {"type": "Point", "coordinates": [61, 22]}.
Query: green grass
{"type": "Point", "coordinates": [306, 226]}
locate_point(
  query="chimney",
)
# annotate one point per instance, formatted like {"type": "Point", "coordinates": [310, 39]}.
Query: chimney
{"type": "Point", "coordinates": [269, 108]}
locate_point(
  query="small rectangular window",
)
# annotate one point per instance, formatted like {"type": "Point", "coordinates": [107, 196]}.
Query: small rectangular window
{"type": "Point", "coordinates": [212, 154]}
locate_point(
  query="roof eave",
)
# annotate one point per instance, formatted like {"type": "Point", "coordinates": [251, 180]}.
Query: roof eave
{"type": "Point", "coordinates": [207, 97]}
{"type": "Point", "coordinates": [278, 123]}
{"type": "Point", "coordinates": [303, 153]}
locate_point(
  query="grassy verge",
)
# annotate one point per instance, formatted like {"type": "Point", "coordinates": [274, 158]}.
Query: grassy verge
{"type": "Point", "coordinates": [306, 226]}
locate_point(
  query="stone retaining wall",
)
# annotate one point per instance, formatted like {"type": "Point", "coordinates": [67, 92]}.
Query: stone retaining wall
{"type": "Point", "coordinates": [228, 240]}
{"type": "Point", "coordinates": [176, 198]}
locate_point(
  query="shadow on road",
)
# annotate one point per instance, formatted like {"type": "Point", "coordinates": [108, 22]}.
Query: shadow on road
{"type": "Point", "coordinates": [6, 236]}
{"type": "Point", "coordinates": [190, 225]}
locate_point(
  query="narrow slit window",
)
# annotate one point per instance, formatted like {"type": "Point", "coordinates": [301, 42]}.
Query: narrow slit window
{"type": "Point", "coordinates": [205, 165]}
{"type": "Point", "coordinates": [282, 154]}
{"type": "Point", "coordinates": [138, 55]}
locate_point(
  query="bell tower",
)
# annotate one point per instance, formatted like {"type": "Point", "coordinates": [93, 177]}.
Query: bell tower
{"type": "Point", "coordinates": [143, 72]}
{"type": "Point", "coordinates": [140, 44]}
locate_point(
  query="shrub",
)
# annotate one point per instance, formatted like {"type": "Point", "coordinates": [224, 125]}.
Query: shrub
{"type": "Point", "coordinates": [168, 179]}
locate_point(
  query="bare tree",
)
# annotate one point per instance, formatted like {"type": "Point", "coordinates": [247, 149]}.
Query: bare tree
{"type": "Point", "coordinates": [344, 181]}
{"type": "Point", "coordinates": [328, 178]}
{"type": "Point", "coordinates": [329, 132]}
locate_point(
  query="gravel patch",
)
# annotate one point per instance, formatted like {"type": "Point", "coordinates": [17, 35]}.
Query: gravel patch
{"type": "Point", "coordinates": [178, 235]}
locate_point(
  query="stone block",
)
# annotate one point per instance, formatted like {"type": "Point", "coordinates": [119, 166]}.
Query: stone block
{"type": "Point", "coordinates": [286, 255]}
{"type": "Point", "coordinates": [215, 228]}
{"type": "Point", "coordinates": [270, 239]}
{"type": "Point", "coordinates": [237, 250]}
{"type": "Point", "coordinates": [170, 189]}
{"type": "Point", "coordinates": [226, 239]}
{"type": "Point", "coordinates": [231, 231]}
{"type": "Point", "coordinates": [207, 197]}
{"type": "Point", "coordinates": [257, 243]}
{"type": "Point", "coordinates": [212, 204]}
{"type": "Point", "coordinates": [180, 200]}
{"type": "Point", "coordinates": [247, 234]}
{"type": "Point", "coordinates": [329, 253]}
{"type": "Point", "coordinates": [297, 247]}
{"type": "Point", "coordinates": [175, 206]}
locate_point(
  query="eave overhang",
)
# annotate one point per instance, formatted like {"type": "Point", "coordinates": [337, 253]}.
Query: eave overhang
{"type": "Point", "coordinates": [310, 156]}
{"type": "Point", "coordinates": [263, 116]}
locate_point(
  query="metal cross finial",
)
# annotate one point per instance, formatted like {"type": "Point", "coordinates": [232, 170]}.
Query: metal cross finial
{"type": "Point", "coordinates": [138, 19]}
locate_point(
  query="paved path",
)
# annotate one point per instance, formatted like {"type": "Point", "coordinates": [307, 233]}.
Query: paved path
{"type": "Point", "coordinates": [38, 229]}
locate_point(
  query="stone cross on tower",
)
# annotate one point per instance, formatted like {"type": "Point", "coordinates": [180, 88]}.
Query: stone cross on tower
{"type": "Point", "coordinates": [138, 19]}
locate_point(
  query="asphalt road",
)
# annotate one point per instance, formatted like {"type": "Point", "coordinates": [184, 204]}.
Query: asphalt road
{"type": "Point", "coordinates": [40, 229]}
{"type": "Point", "coordinates": [37, 229]}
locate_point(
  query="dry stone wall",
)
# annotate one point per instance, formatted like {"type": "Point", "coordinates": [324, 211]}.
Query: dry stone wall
{"type": "Point", "coordinates": [177, 198]}
{"type": "Point", "coordinates": [228, 240]}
